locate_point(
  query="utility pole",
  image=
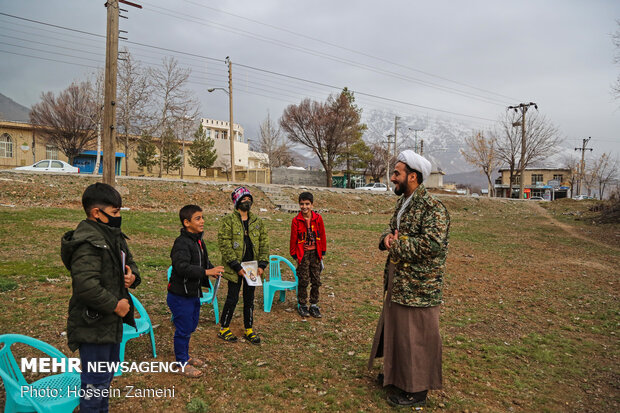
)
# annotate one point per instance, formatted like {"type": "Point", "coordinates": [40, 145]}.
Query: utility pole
{"type": "Point", "coordinates": [583, 150]}
{"type": "Point", "coordinates": [387, 169]}
{"type": "Point", "coordinates": [523, 107]}
{"type": "Point", "coordinates": [109, 106]}
{"type": "Point", "coordinates": [395, 129]}
{"type": "Point", "coordinates": [415, 142]}
{"type": "Point", "coordinates": [109, 103]}
{"type": "Point", "coordinates": [231, 131]}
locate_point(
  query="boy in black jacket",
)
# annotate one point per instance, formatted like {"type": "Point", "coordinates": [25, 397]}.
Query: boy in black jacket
{"type": "Point", "coordinates": [190, 270]}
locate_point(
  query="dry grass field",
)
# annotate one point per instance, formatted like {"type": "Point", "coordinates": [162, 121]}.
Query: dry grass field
{"type": "Point", "coordinates": [530, 320]}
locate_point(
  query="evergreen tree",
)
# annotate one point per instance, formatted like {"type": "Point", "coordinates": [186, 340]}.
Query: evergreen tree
{"type": "Point", "coordinates": [171, 156]}
{"type": "Point", "coordinates": [202, 154]}
{"type": "Point", "coordinates": [145, 153]}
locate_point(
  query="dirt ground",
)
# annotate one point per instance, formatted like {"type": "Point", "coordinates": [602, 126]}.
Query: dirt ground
{"type": "Point", "coordinates": [530, 319]}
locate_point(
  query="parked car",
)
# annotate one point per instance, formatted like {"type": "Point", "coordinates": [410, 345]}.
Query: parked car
{"type": "Point", "coordinates": [50, 165]}
{"type": "Point", "coordinates": [537, 198]}
{"type": "Point", "coordinates": [376, 186]}
{"type": "Point", "coordinates": [580, 197]}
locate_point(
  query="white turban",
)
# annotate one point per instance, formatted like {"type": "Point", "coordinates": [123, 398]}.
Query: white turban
{"type": "Point", "coordinates": [417, 162]}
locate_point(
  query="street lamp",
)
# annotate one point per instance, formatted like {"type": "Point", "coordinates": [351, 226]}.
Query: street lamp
{"type": "Point", "coordinates": [230, 129]}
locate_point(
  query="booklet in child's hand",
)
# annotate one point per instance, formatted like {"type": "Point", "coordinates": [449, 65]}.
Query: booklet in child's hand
{"type": "Point", "coordinates": [251, 273]}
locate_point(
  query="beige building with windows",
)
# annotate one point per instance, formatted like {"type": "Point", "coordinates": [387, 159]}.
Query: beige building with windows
{"type": "Point", "coordinates": [542, 181]}
{"type": "Point", "coordinates": [20, 146]}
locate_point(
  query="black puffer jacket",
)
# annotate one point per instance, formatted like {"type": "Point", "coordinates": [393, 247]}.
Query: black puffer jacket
{"type": "Point", "coordinates": [189, 262]}
{"type": "Point", "coordinates": [93, 255]}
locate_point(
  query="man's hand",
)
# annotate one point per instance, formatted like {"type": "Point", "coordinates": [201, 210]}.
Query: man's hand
{"type": "Point", "coordinates": [389, 239]}
{"type": "Point", "coordinates": [241, 273]}
{"type": "Point", "coordinates": [122, 307]}
{"type": "Point", "coordinates": [129, 277]}
{"type": "Point", "coordinates": [215, 271]}
{"type": "Point", "coordinates": [260, 272]}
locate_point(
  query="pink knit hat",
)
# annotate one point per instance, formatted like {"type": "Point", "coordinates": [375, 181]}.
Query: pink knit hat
{"type": "Point", "coordinates": [239, 193]}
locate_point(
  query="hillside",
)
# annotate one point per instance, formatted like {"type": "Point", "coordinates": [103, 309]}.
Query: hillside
{"type": "Point", "coordinates": [11, 110]}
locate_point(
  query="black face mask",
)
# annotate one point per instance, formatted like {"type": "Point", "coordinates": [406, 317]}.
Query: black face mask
{"type": "Point", "coordinates": [114, 222]}
{"type": "Point", "coordinates": [245, 206]}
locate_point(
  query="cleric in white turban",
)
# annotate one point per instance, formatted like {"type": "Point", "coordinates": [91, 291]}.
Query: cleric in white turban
{"type": "Point", "coordinates": [407, 335]}
{"type": "Point", "coordinates": [415, 162]}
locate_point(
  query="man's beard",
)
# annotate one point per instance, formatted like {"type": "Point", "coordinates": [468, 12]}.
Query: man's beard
{"type": "Point", "coordinates": [398, 189]}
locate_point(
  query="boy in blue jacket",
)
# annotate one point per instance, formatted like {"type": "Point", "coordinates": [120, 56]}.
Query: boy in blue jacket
{"type": "Point", "coordinates": [190, 270]}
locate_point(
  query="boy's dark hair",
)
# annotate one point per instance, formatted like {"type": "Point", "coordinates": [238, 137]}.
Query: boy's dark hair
{"type": "Point", "coordinates": [100, 195]}
{"type": "Point", "coordinates": [187, 212]}
{"type": "Point", "coordinates": [306, 196]}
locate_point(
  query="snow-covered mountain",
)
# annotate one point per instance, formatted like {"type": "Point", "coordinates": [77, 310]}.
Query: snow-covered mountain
{"type": "Point", "coordinates": [440, 138]}
{"type": "Point", "coordinates": [443, 138]}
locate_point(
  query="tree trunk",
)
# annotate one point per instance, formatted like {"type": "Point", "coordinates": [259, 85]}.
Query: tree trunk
{"type": "Point", "coordinates": [328, 178]}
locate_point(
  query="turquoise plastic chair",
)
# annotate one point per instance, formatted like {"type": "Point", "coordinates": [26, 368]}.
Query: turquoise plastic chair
{"type": "Point", "coordinates": [275, 282]}
{"type": "Point", "coordinates": [144, 326]}
{"type": "Point", "coordinates": [207, 298]}
{"type": "Point", "coordinates": [50, 402]}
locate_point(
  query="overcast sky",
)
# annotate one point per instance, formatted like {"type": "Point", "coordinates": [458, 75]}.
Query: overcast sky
{"type": "Point", "coordinates": [465, 60]}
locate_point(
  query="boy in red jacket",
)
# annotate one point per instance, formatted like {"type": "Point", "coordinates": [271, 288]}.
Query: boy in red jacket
{"type": "Point", "coordinates": [307, 247]}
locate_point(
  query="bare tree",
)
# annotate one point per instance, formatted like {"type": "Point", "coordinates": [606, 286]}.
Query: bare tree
{"type": "Point", "coordinates": [482, 152]}
{"type": "Point", "coordinates": [601, 173]}
{"type": "Point", "coordinates": [323, 127]}
{"type": "Point", "coordinates": [573, 164]}
{"type": "Point", "coordinates": [133, 96]}
{"type": "Point", "coordinates": [59, 123]}
{"type": "Point", "coordinates": [541, 140]}
{"type": "Point", "coordinates": [377, 164]}
{"type": "Point", "coordinates": [272, 143]}
{"type": "Point", "coordinates": [174, 100]}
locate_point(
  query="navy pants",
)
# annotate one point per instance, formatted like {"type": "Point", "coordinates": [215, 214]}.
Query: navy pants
{"type": "Point", "coordinates": [231, 302]}
{"type": "Point", "coordinates": [185, 314]}
{"type": "Point", "coordinates": [94, 382]}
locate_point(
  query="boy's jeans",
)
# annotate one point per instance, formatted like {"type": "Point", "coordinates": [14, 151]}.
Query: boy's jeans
{"type": "Point", "coordinates": [309, 271]}
{"type": "Point", "coordinates": [185, 314]}
{"type": "Point", "coordinates": [94, 382]}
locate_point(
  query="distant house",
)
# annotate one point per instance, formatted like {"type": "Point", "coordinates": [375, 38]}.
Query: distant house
{"type": "Point", "coordinates": [548, 182]}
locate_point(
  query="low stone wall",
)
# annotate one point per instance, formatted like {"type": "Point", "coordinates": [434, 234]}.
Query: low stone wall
{"type": "Point", "coordinates": [284, 176]}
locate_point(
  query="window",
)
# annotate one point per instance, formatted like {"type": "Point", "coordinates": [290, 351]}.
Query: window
{"type": "Point", "coordinates": [6, 146]}
{"type": "Point", "coordinates": [516, 179]}
{"type": "Point", "coordinates": [51, 152]}
{"type": "Point", "coordinates": [42, 164]}
{"type": "Point", "coordinates": [557, 177]}
{"type": "Point", "coordinates": [56, 164]}
{"type": "Point", "coordinates": [224, 135]}
{"type": "Point", "coordinates": [536, 178]}
{"type": "Point", "coordinates": [217, 134]}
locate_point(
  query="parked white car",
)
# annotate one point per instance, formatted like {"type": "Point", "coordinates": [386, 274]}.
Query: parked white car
{"type": "Point", "coordinates": [374, 187]}
{"type": "Point", "coordinates": [581, 197]}
{"type": "Point", "coordinates": [50, 165]}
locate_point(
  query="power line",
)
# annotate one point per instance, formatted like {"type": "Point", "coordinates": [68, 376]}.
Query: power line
{"type": "Point", "coordinates": [347, 49]}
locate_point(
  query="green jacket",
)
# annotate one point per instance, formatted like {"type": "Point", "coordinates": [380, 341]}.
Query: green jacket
{"type": "Point", "coordinates": [232, 247]}
{"type": "Point", "coordinates": [420, 252]}
{"type": "Point", "coordinates": [92, 252]}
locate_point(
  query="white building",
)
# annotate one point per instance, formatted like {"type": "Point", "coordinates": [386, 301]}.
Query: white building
{"type": "Point", "coordinates": [218, 130]}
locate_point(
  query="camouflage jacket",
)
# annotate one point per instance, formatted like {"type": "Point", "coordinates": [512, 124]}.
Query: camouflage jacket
{"type": "Point", "coordinates": [420, 252]}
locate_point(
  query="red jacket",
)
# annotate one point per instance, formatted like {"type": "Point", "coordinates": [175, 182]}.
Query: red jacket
{"type": "Point", "coordinates": [299, 234]}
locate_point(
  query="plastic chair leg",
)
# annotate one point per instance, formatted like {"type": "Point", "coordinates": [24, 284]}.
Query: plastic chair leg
{"type": "Point", "coordinates": [216, 310]}
{"type": "Point", "coordinates": [121, 357]}
{"type": "Point", "coordinates": [153, 343]}
{"type": "Point", "coordinates": [282, 296]}
{"type": "Point", "coordinates": [267, 298]}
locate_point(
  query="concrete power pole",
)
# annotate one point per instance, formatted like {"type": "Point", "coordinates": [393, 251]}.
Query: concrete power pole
{"type": "Point", "coordinates": [395, 129]}
{"type": "Point", "coordinates": [523, 107]}
{"type": "Point", "coordinates": [583, 150]}
{"type": "Point", "coordinates": [231, 129]}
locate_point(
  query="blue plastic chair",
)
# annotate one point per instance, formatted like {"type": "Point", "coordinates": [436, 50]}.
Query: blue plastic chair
{"type": "Point", "coordinates": [207, 297]}
{"type": "Point", "coordinates": [13, 379]}
{"type": "Point", "coordinates": [276, 283]}
{"type": "Point", "coordinates": [144, 326]}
